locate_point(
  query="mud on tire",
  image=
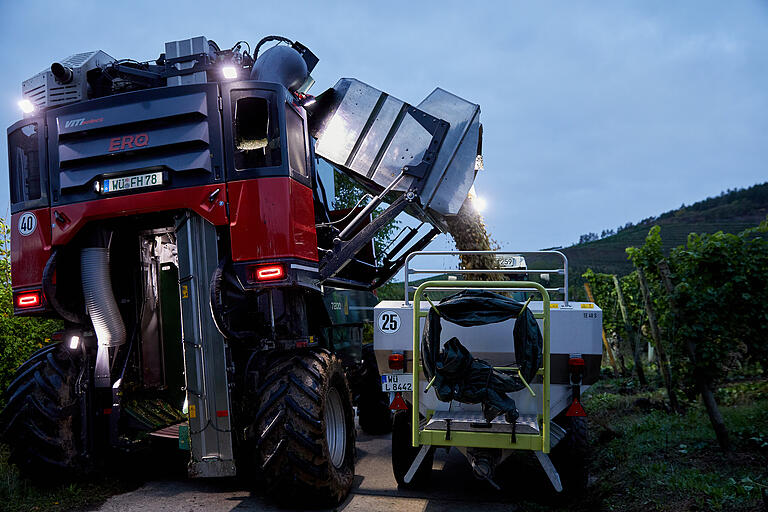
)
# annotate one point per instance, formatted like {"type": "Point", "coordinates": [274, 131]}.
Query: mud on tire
{"type": "Point", "coordinates": [304, 430]}
{"type": "Point", "coordinates": [41, 421]}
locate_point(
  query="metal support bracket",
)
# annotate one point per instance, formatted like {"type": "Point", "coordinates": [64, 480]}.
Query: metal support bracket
{"type": "Point", "coordinates": [346, 250]}
{"type": "Point", "coordinates": [417, 463]}
{"type": "Point", "coordinates": [549, 469]}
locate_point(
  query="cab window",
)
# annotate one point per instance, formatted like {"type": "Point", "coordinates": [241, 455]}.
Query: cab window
{"type": "Point", "coordinates": [297, 149]}
{"type": "Point", "coordinates": [257, 134]}
{"type": "Point", "coordinates": [24, 163]}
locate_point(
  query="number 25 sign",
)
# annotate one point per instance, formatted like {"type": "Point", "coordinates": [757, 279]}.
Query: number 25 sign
{"type": "Point", "coordinates": [389, 322]}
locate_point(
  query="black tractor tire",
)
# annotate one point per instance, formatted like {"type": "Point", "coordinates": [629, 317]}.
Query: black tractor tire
{"type": "Point", "coordinates": [373, 412]}
{"type": "Point", "coordinates": [41, 422]}
{"type": "Point", "coordinates": [570, 456]}
{"type": "Point", "coordinates": [302, 457]}
{"type": "Point", "coordinates": [403, 454]}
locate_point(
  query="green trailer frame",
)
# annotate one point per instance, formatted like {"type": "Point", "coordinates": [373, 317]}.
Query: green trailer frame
{"type": "Point", "coordinates": [536, 442]}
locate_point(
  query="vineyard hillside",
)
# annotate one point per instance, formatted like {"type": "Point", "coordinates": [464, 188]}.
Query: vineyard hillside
{"type": "Point", "coordinates": [730, 212]}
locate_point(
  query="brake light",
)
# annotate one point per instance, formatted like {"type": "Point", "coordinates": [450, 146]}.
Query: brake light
{"type": "Point", "coordinates": [397, 362]}
{"type": "Point", "coordinates": [266, 273]}
{"type": "Point", "coordinates": [31, 299]}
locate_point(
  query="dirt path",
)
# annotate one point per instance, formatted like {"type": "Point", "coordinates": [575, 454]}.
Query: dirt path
{"type": "Point", "coordinates": [453, 488]}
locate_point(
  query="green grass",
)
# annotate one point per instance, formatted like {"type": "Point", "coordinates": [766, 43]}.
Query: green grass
{"type": "Point", "coordinates": [646, 458]}
{"type": "Point", "coordinates": [18, 494]}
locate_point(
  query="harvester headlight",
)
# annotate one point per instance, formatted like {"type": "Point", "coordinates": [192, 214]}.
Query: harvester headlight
{"type": "Point", "coordinates": [26, 106]}
{"type": "Point", "coordinates": [74, 342]}
{"type": "Point", "coordinates": [229, 72]}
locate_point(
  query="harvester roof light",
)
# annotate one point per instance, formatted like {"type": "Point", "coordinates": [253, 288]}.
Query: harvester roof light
{"type": "Point", "coordinates": [229, 72]}
{"type": "Point", "coordinates": [270, 273]}
{"type": "Point", "coordinates": [31, 299]}
{"type": "Point", "coordinates": [26, 106]}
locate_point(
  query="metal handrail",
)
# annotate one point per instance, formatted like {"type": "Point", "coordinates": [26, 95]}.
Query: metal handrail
{"type": "Point", "coordinates": [562, 271]}
{"type": "Point", "coordinates": [494, 440]}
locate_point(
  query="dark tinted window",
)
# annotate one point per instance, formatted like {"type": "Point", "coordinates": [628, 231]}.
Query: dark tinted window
{"type": "Point", "coordinates": [297, 152]}
{"type": "Point", "coordinates": [257, 135]}
{"type": "Point", "coordinates": [24, 163]}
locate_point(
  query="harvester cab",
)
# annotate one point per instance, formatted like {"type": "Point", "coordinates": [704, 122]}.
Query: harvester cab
{"type": "Point", "coordinates": [170, 212]}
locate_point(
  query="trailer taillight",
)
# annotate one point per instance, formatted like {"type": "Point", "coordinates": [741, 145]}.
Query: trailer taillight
{"type": "Point", "coordinates": [265, 273]}
{"type": "Point", "coordinates": [30, 299]}
{"type": "Point", "coordinates": [397, 362]}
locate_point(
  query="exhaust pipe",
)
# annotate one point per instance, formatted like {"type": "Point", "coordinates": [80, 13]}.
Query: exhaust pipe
{"type": "Point", "coordinates": [99, 299]}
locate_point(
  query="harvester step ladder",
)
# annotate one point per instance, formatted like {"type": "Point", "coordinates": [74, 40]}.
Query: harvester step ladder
{"type": "Point", "coordinates": [205, 363]}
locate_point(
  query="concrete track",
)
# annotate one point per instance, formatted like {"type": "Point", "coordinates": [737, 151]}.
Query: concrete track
{"type": "Point", "coordinates": [452, 488]}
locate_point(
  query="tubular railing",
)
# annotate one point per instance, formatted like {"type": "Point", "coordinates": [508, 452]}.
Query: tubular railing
{"type": "Point", "coordinates": [563, 271]}
{"type": "Point", "coordinates": [482, 439]}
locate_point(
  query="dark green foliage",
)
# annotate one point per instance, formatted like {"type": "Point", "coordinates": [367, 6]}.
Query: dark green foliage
{"type": "Point", "coordinates": [604, 292]}
{"type": "Point", "coordinates": [714, 322]}
{"type": "Point", "coordinates": [721, 294]}
{"type": "Point", "coordinates": [19, 336]}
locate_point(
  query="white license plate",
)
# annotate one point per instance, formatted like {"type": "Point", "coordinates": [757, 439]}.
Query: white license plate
{"type": "Point", "coordinates": [151, 179]}
{"type": "Point", "coordinates": [397, 382]}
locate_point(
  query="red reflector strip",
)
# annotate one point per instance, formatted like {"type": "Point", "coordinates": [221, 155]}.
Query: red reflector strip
{"type": "Point", "coordinates": [107, 411]}
{"type": "Point", "coordinates": [222, 414]}
{"type": "Point", "coordinates": [31, 299]}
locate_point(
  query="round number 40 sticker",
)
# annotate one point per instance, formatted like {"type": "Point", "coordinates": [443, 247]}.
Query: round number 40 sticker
{"type": "Point", "coordinates": [389, 322]}
{"type": "Point", "coordinates": [27, 223]}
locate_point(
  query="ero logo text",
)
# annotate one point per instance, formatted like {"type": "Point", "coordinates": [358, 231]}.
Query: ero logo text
{"type": "Point", "coordinates": [128, 142]}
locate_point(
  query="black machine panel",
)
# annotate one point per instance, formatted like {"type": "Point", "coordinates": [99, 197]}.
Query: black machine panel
{"type": "Point", "coordinates": [173, 131]}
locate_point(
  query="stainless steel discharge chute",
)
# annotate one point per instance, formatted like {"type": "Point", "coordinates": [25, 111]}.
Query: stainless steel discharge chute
{"type": "Point", "coordinates": [432, 150]}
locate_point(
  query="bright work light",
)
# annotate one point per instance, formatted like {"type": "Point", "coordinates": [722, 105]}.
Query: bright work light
{"type": "Point", "coordinates": [26, 106]}
{"type": "Point", "coordinates": [229, 72]}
